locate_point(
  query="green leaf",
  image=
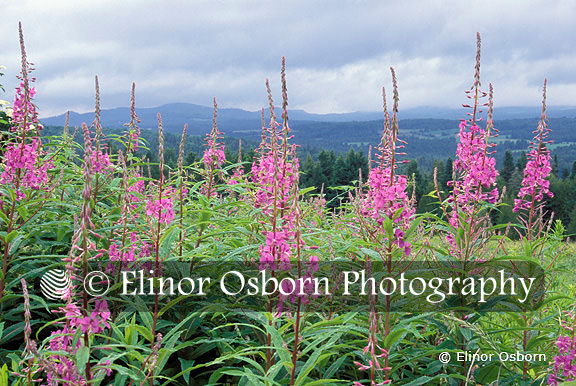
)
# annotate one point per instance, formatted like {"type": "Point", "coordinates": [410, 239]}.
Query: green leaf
{"type": "Point", "coordinates": [419, 381]}
{"type": "Point", "coordinates": [393, 337]}
{"type": "Point", "coordinates": [4, 376]}
{"type": "Point", "coordinates": [11, 236]}
{"type": "Point", "coordinates": [311, 364]}
{"type": "Point", "coordinates": [82, 357]}
{"type": "Point", "coordinates": [186, 364]}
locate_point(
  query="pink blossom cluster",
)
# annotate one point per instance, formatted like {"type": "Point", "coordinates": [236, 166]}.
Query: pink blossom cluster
{"type": "Point", "coordinates": [24, 113]}
{"type": "Point", "coordinates": [534, 184]}
{"type": "Point", "coordinates": [213, 157]}
{"type": "Point", "coordinates": [386, 195]}
{"type": "Point", "coordinates": [162, 209]}
{"type": "Point", "coordinates": [275, 179]}
{"type": "Point", "coordinates": [214, 153]}
{"type": "Point", "coordinates": [387, 198]}
{"type": "Point", "coordinates": [564, 364]}
{"type": "Point", "coordinates": [23, 168]}
{"type": "Point", "coordinates": [477, 168]}
{"type": "Point", "coordinates": [276, 251]}
{"type": "Point", "coordinates": [237, 177]}
{"type": "Point", "coordinates": [98, 159]}
{"type": "Point", "coordinates": [100, 162]}
{"type": "Point", "coordinates": [128, 246]}
{"type": "Point", "coordinates": [134, 137]}
{"type": "Point", "coordinates": [135, 249]}
{"type": "Point", "coordinates": [63, 368]}
{"type": "Point", "coordinates": [135, 191]}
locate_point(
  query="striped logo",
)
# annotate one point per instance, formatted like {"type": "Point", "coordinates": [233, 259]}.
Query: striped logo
{"type": "Point", "coordinates": [55, 284]}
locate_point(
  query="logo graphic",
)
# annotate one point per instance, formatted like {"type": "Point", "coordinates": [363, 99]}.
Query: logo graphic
{"type": "Point", "coordinates": [55, 284]}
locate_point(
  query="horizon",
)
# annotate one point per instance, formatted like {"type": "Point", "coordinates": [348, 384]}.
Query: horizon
{"type": "Point", "coordinates": [423, 107]}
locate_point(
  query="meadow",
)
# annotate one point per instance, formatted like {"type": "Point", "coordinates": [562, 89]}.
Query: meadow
{"type": "Point", "coordinates": [76, 205]}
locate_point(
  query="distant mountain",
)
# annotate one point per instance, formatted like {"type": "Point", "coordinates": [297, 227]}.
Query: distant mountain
{"type": "Point", "coordinates": [199, 118]}
{"type": "Point", "coordinates": [430, 132]}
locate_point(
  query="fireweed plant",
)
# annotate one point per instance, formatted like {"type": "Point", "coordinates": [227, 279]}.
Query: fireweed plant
{"type": "Point", "coordinates": [385, 213]}
{"type": "Point", "coordinates": [90, 198]}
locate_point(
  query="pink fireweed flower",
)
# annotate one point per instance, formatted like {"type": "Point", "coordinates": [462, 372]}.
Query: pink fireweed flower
{"type": "Point", "coordinates": [101, 162]}
{"type": "Point", "coordinates": [213, 157]}
{"type": "Point", "coordinates": [564, 364]}
{"type": "Point", "coordinates": [24, 114]}
{"type": "Point", "coordinates": [23, 167]}
{"type": "Point", "coordinates": [478, 170]}
{"type": "Point", "coordinates": [97, 159]}
{"type": "Point", "coordinates": [135, 191]}
{"type": "Point", "coordinates": [124, 256]}
{"type": "Point", "coordinates": [275, 250]}
{"type": "Point", "coordinates": [274, 176]}
{"type": "Point", "coordinates": [375, 353]}
{"type": "Point", "coordinates": [274, 197]}
{"type": "Point", "coordinates": [62, 339]}
{"type": "Point", "coordinates": [161, 209]}
{"type": "Point", "coordinates": [98, 318]}
{"type": "Point", "coordinates": [474, 166]}
{"type": "Point", "coordinates": [237, 177]}
{"type": "Point", "coordinates": [535, 184]}
{"type": "Point", "coordinates": [214, 154]}
{"type": "Point", "coordinates": [386, 197]}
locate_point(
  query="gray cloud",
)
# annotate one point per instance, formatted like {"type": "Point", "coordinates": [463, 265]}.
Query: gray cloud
{"type": "Point", "coordinates": [338, 52]}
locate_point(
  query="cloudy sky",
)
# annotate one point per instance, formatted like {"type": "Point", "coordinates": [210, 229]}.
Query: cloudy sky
{"type": "Point", "coordinates": [338, 52]}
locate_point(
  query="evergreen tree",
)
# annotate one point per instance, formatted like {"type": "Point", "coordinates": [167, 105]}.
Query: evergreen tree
{"type": "Point", "coordinates": [249, 156]}
{"type": "Point", "coordinates": [326, 161]}
{"type": "Point", "coordinates": [448, 173]}
{"type": "Point", "coordinates": [571, 230]}
{"type": "Point", "coordinates": [508, 166]}
{"type": "Point", "coordinates": [170, 157]}
{"type": "Point", "coordinates": [306, 176]}
{"type": "Point", "coordinates": [521, 163]}
{"type": "Point", "coordinates": [515, 182]}
{"type": "Point", "coordinates": [555, 165]}
{"type": "Point", "coordinates": [191, 158]}
{"type": "Point", "coordinates": [561, 203]}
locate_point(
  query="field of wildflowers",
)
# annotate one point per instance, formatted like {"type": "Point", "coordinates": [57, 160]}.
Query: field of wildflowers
{"type": "Point", "coordinates": [70, 205]}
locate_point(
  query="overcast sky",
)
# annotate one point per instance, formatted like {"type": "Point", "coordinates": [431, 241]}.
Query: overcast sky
{"type": "Point", "coordinates": [338, 52]}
